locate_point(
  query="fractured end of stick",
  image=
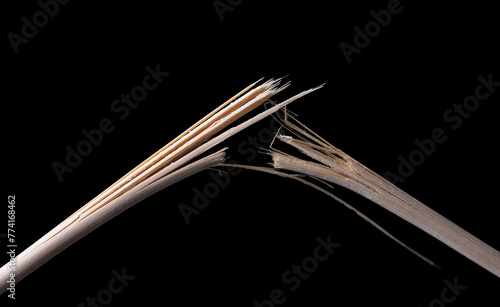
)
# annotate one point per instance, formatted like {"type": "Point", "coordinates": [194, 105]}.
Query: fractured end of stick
{"type": "Point", "coordinates": [335, 166]}
{"type": "Point", "coordinates": [168, 165]}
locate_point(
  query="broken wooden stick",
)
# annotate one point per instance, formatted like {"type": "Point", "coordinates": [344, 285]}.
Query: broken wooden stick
{"type": "Point", "coordinates": [170, 164]}
{"type": "Point", "coordinates": [333, 165]}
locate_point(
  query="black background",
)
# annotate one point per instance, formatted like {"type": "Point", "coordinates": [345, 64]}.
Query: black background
{"type": "Point", "coordinates": [235, 251]}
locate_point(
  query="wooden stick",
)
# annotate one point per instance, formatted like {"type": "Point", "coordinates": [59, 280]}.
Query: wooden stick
{"type": "Point", "coordinates": [335, 166]}
{"type": "Point", "coordinates": [165, 167]}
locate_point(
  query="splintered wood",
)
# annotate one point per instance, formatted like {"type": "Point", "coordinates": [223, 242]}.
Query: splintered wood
{"type": "Point", "coordinates": [333, 165]}
{"type": "Point", "coordinates": [177, 160]}
{"type": "Point", "coordinates": [168, 165]}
